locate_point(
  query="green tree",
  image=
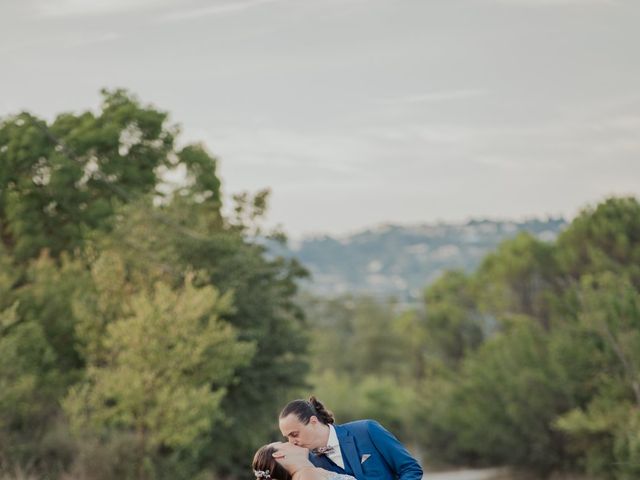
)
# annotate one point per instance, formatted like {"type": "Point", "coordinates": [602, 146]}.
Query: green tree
{"type": "Point", "coordinates": [89, 189]}
{"type": "Point", "coordinates": [189, 235]}
{"type": "Point", "coordinates": [603, 238]}
{"type": "Point", "coordinates": [454, 325]}
{"type": "Point", "coordinates": [356, 335]}
{"type": "Point", "coordinates": [36, 339]}
{"type": "Point", "coordinates": [518, 279]}
{"type": "Point", "coordinates": [60, 181]}
{"type": "Point", "coordinates": [605, 430]}
{"type": "Point", "coordinates": [155, 375]}
{"type": "Point", "coordinates": [556, 385]}
{"type": "Point", "coordinates": [501, 407]}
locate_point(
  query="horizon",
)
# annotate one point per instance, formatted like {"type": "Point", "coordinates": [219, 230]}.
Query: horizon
{"type": "Point", "coordinates": [444, 222]}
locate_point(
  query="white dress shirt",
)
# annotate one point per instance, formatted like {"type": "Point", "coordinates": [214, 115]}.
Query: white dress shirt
{"type": "Point", "coordinates": [336, 455]}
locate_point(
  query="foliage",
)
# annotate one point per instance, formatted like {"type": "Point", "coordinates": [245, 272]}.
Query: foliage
{"type": "Point", "coordinates": [603, 238]}
{"type": "Point", "coordinates": [160, 324]}
{"type": "Point", "coordinates": [607, 428]}
{"type": "Point", "coordinates": [145, 334]}
{"type": "Point", "coordinates": [530, 361]}
{"type": "Point", "coordinates": [380, 397]}
{"type": "Point", "coordinates": [555, 386]}
{"type": "Point", "coordinates": [158, 363]}
{"type": "Point", "coordinates": [60, 181]}
{"type": "Point", "coordinates": [455, 326]}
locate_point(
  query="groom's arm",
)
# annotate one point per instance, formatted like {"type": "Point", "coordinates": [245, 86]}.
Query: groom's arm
{"type": "Point", "coordinates": [395, 453]}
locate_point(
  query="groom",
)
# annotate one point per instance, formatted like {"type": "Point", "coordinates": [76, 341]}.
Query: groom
{"type": "Point", "coordinates": [363, 449]}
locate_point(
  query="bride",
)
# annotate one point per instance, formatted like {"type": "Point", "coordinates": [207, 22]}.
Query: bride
{"type": "Point", "coordinates": [285, 461]}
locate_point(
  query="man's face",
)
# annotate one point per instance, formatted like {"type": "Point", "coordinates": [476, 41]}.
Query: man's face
{"type": "Point", "coordinates": [296, 432]}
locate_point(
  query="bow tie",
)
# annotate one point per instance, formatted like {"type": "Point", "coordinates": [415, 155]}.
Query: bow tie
{"type": "Point", "coordinates": [323, 450]}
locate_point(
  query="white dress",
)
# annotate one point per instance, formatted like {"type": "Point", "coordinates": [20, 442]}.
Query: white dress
{"type": "Point", "coordinates": [339, 476]}
{"type": "Point", "coordinates": [328, 475]}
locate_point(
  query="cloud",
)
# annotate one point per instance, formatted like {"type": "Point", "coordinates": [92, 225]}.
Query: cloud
{"type": "Point", "coordinates": [552, 3]}
{"type": "Point", "coordinates": [278, 149]}
{"type": "Point", "coordinates": [430, 133]}
{"type": "Point", "coordinates": [69, 40]}
{"type": "Point", "coordinates": [441, 96]}
{"type": "Point", "coordinates": [78, 8]}
{"type": "Point", "coordinates": [571, 144]}
{"type": "Point", "coordinates": [99, 38]}
{"type": "Point", "coordinates": [213, 10]}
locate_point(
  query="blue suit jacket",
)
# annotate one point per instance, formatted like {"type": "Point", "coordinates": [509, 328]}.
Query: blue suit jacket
{"type": "Point", "coordinates": [371, 452]}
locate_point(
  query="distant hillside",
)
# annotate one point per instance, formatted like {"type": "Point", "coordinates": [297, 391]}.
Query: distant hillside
{"type": "Point", "coordinates": [402, 260]}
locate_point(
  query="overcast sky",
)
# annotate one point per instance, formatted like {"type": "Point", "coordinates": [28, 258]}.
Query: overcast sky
{"type": "Point", "coordinates": [360, 112]}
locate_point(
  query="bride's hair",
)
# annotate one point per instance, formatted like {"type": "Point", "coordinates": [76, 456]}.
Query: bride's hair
{"type": "Point", "coordinates": [265, 467]}
{"type": "Point", "coordinates": [305, 409]}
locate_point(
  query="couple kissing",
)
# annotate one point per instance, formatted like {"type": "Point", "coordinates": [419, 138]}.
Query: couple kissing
{"type": "Point", "coordinates": [318, 449]}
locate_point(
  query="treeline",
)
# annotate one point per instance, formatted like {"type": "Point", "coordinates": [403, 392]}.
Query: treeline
{"type": "Point", "coordinates": [143, 334]}
{"type": "Point", "coordinates": [532, 361]}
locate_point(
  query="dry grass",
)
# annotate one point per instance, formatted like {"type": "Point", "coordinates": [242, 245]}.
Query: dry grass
{"type": "Point", "coordinates": [16, 474]}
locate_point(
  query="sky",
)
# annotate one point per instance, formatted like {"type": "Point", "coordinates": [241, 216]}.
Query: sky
{"type": "Point", "coordinates": [357, 113]}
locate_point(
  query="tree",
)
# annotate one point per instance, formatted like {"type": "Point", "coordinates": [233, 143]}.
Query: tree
{"type": "Point", "coordinates": [605, 429]}
{"type": "Point", "coordinates": [518, 279]}
{"type": "Point", "coordinates": [454, 325]}
{"type": "Point", "coordinates": [500, 408]}
{"type": "Point", "coordinates": [160, 361]}
{"type": "Point", "coordinates": [60, 181]}
{"type": "Point", "coordinates": [191, 237]}
{"type": "Point", "coordinates": [88, 218]}
{"type": "Point", "coordinates": [603, 238]}
{"type": "Point", "coordinates": [556, 386]}
{"type": "Point", "coordinates": [39, 359]}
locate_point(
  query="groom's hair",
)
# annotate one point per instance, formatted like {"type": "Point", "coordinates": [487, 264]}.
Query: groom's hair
{"type": "Point", "coordinates": [305, 409]}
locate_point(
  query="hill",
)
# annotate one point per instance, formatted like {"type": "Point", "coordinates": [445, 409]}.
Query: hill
{"type": "Point", "coordinates": [395, 260]}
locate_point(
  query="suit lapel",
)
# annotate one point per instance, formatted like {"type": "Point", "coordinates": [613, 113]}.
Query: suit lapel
{"type": "Point", "coordinates": [349, 451]}
{"type": "Point", "coordinates": [323, 461]}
